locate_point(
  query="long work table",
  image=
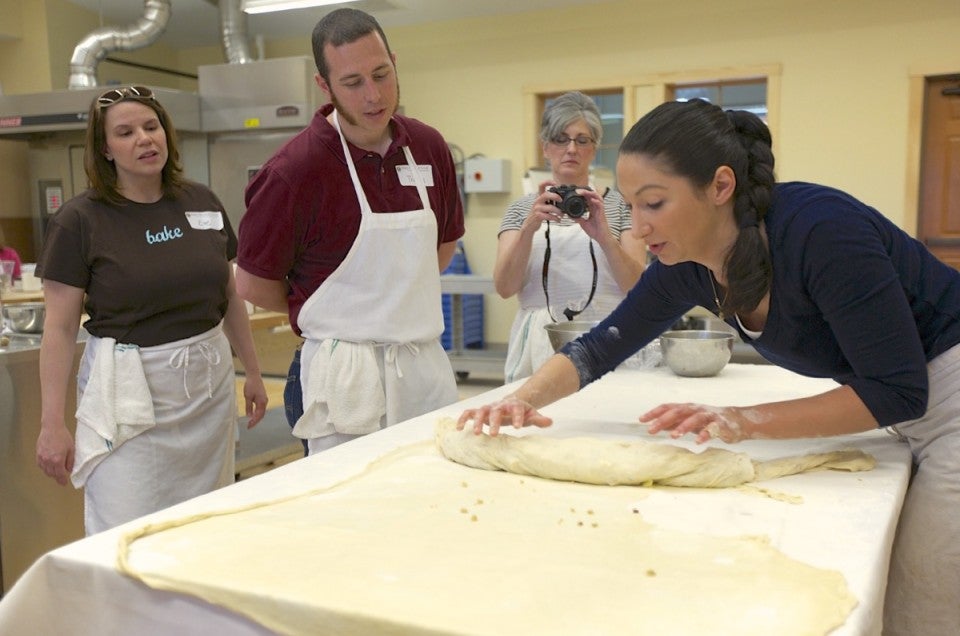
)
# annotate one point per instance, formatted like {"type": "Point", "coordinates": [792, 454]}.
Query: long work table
{"type": "Point", "coordinates": [384, 535]}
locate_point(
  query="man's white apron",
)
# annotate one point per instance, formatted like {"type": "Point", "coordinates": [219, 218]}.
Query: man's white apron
{"type": "Point", "coordinates": [372, 355]}
{"type": "Point", "coordinates": [569, 279]}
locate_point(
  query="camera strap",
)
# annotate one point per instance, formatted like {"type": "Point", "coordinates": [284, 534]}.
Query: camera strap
{"type": "Point", "coordinates": [569, 313]}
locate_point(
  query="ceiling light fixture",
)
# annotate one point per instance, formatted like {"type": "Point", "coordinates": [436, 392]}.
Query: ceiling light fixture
{"type": "Point", "coordinates": [267, 6]}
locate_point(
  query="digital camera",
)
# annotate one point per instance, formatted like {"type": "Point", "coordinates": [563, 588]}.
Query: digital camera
{"type": "Point", "coordinates": [572, 204]}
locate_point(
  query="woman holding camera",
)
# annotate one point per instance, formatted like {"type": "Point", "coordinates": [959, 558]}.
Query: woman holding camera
{"type": "Point", "coordinates": [567, 258]}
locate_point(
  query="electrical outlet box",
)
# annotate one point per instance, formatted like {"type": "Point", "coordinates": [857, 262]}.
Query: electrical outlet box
{"type": "Point", "coordinates": [486, 175]}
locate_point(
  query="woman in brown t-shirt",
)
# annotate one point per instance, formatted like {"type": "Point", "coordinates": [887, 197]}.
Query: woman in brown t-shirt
{"type": "Point", "coordinates": [146, 255]}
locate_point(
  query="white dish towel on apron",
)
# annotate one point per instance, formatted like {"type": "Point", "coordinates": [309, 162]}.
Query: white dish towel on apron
{"type": "Point", "coordinates": [116, 405]}
{"type": "Point", "coordinates": [344, 392]}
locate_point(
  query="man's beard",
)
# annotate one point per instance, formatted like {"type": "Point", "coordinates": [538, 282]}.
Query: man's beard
{"type": "Point", "coordinates": [350, 119]}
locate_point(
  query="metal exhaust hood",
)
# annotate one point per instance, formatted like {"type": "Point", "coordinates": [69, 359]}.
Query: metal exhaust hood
{"type": "Point", "coordinates": [26, 115]}
{"type": "Point", "coordinates": [275, 93]}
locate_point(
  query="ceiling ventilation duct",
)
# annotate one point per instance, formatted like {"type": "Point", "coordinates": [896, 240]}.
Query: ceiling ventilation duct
{"type": "Point", "coordinates": [99, 43]}
{"type": "Point", "coordinates": [24, 116]}
{"type": "Point", "coordinates": [233, 24]}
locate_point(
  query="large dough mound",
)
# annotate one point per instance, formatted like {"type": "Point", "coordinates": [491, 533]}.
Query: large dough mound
{"type": "Point", "coordinates": [614, 462]}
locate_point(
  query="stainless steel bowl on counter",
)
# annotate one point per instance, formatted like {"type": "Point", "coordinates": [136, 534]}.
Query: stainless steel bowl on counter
{"type": "Point", "coordinates": [560, 333]}
{"type": "Point", "coordinates": [24, 317]}
{"type": "Point", "coordinates": [19, 341]}
{"type": "Point", "coordinates": [696, 353]}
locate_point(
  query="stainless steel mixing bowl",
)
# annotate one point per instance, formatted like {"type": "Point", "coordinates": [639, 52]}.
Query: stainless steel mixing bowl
{"type": "Point", "coordinates": [24, 317]}
{"type": "Point", "coordinates": [560, 333]}
{"type": "Point", "coordinates": [696, 353]}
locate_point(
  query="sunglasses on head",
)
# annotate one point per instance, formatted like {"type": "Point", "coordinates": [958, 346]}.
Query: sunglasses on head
{"type": "Point", "coordinates": [115, 95]}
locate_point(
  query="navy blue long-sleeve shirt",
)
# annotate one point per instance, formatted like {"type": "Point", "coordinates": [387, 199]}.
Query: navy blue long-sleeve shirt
{"type": "Point", "coordinates": [853, 298]}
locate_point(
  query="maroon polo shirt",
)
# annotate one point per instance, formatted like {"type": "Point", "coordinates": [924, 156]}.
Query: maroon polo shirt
{"type": "Point", "coordinates": [302, 212]}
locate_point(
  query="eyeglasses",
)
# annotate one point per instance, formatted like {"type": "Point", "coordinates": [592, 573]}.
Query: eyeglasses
{"type": "Point", "coordinates": [564, 140]}
{"type": "Point", "coordinates": [115, 95]}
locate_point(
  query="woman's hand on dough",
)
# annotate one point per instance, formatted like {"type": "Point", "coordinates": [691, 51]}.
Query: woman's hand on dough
{"type": "Point", "coordinates": [707, 422]}
{"type": "Point", "coordinates": [508, 410]}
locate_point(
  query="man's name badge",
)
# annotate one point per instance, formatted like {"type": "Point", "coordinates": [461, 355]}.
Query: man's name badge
{"type": "Point", "coordinates": [405, 173]}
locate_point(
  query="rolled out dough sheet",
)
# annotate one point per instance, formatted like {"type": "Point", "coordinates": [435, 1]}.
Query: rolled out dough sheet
{"type": "Point", "coordinates": [417, 544]}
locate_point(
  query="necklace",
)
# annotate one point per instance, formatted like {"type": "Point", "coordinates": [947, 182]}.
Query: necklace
{"type": "Point", "coordinates": [716, 297]}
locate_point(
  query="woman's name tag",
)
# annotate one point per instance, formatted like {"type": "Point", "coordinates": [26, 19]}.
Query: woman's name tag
{"type": "Point", "coordinates": [205, 220]}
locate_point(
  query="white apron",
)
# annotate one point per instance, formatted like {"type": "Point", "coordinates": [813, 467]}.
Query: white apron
{"type": "Point", "coordinates": [158, 443]}
{"type": "Point", "coordinates": [923, 585]}
{"type": "Point", "coordinates": [372, 355]}
{"type": "Point", "coordinates": [569, 279]}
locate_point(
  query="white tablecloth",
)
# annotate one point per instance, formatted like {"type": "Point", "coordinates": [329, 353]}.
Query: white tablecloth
{"type": "Point", "coordinates": [846, 522]}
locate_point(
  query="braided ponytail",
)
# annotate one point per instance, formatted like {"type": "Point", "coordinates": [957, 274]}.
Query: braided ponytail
{"type": "Point", "coordinates": [693, 139]}
{"type": "Point", "coordinates": [748, 268]}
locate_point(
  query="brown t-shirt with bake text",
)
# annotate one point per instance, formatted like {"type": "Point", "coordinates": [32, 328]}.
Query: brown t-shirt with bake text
{"type": "Point", "coordinates": [153, 272]}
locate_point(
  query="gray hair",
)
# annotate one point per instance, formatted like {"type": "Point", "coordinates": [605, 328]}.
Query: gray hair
{"type": "Point", "coordinates": [566, 109]}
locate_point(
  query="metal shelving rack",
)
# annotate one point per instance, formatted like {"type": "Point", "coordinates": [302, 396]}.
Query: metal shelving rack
{"type": "Point", "coordinates": [489, 359]}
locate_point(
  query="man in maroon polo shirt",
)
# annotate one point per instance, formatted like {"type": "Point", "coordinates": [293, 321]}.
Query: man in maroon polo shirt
{"type": "Point", "coordinates": [347, 228]}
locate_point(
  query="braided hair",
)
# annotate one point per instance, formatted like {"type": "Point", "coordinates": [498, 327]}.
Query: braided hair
{"type": "Point", "coordinates": [692, 139]}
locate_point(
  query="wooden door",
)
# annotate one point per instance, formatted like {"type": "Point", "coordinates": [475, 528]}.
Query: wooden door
{"type": "Point", "coordinates": [939, 216]}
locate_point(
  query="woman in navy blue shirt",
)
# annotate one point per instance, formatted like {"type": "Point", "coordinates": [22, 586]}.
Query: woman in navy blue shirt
{"type": "Point", "coordinates": [819, 283]}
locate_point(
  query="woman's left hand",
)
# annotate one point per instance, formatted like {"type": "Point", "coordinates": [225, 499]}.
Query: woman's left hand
{"type": "Point", "coordinates": [708, 422]}
{"type": "Point", "coordinates": [255, 399]}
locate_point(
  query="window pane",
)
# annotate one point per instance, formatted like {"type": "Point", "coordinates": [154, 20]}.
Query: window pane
{"type": "Point", "coordinates": [748, 95]}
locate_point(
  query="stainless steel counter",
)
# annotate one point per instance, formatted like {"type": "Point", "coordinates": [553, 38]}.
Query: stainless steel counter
{"type": "Point", "coordinates": [36, 514]}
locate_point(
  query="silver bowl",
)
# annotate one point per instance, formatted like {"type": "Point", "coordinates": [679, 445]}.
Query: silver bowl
{"type": "Point", "coordinates": [696, 353]}
{"type": "Point", "coordinates": [25, 317]}
{"type": "Point", "coordinates": [17, 341]}
{"type": "Point", "coordinates": [560, 333]}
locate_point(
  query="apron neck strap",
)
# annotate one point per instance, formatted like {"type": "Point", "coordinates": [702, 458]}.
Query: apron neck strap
{"type": "Point", "coordinates": [358, 187]}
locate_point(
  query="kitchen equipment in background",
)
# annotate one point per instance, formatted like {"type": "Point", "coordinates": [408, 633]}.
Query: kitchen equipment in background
{"type": "Point", "coordinates": [52, 126]}
{"type": "Point", "coordinates": [6, 276]}
{"type": "Point", "coordinates": [269, 94]}
{"type": "Point", "coordinates": [24, 317]}
{"type": "Point", "coordinates": [49, 198]}
{"type": "Point", "coordinates": [648, 357]}
{"type": "Point", "coordinates": [24, 115]}
{"type": "Point", "coordinates": [486, 175]}
{"type": "Point", "coordinates": [695, 353]}
{"type": "Point", "coordinates": [560, 333]}
{"type": "Point", "coordinates": [28, 279]}
{"type": "Point", "coordinates": [36, 513]}
{"type": "Point", "coordinates": [463, 316]}
{"type": "Point", "coordinates": [743, 353]}
{"type": "Point", "coordinates": [248, 112]}
{"type": "Point", "coordinates": [462, 313]}
{"type": "Point", "coordinates": [16, 341]}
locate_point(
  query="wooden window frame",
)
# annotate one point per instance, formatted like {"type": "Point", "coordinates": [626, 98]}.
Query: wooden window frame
{"type": "Point", "coordinates": [643, 93]}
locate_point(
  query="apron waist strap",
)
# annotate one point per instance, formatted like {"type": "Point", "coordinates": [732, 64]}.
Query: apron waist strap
{"type": "Point", "coordinates": [391, 354]}
{"type": "Point", "coordinates": [180, 358]}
